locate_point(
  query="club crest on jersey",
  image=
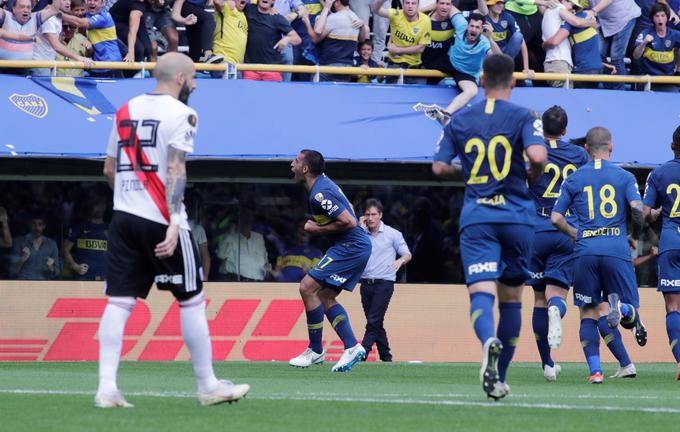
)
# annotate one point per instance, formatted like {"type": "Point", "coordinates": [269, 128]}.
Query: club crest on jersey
{"type": "Point", "coordinates": [668, 43]}
{"type": "Point", "coordinates": [444, 25]}
{"type": "Point", "coordinates": [31, 104]}
{"type": "Point", "coordinates": [504, 24]}
{"type": "Point", "coordinates": [192, 120]}
{"type": "Point", "coordinates": [319, 197]}
{"type": "Point", "coordinates": [415, 30]}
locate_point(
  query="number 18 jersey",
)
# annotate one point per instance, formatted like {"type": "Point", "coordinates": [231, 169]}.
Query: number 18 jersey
{"type": "Point", "coordinates": [489, 138]}
{"type": "Point", "coordinates": [142, 131]}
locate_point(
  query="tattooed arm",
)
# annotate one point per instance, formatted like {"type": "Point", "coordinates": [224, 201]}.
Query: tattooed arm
{"type": "Point", "coordinates": [176, 181]}
{"type": "Point", "coordinates": [638, 217]}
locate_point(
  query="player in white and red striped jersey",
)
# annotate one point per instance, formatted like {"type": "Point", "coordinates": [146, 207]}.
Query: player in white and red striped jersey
{"type": "Point", "coordinates": [149, 237]}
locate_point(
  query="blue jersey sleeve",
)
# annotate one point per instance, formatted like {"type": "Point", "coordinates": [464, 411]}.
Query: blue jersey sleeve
{"type": "Point", "coordinates": [566, 196]}
{"type": "Point", "coordinates": [327, 203]}
{"type": "Point", "coordinates": [632, 192]}
{"type": "Point", "coordinates": [532, 131]}
{"type": "Point", "coordinates": [650, 191]}
{"type": "Point", "coordinates": [445, 151]}
{"type": "Point", "coordinates": [459, 24]}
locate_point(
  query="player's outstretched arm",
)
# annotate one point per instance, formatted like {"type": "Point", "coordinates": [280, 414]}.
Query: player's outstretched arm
{"type": "Point", "coordinates": [558, 220]}
{"type": "Point", "coordinates": [344, 222]}
{"type": "Point", "coordinates": [448, 171]}
{"type": "Point", "coordinates": [538, 157]}
{"type": "Point", "coordinates": [176, 181]}
{"type": "Point", "coordinates": [638, 218]}
{"type": "Point", "coordinates": [651, 214]}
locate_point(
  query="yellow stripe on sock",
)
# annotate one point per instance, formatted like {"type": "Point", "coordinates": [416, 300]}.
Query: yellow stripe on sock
{"type": "Point", "coordinates": [537, 336]}
{"type": "Point", "coordinates": [315, 326]}
{"type": "Point", "coordinates": [608, 338]}
{"type": "Point", "coordinates": [674, 342]}
{"type": "Point", "coordinates": [338, 319]}
{"type": "Point", "coordinates": [475, 314]}
{"type": "Point", "coordinates": [513, 341]}
{"type": "Point", "coordinates": [584, 343]}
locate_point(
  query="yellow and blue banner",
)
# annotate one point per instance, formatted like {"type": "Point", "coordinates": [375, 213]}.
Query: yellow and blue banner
{"type": "Point", "coordinates": [81, 92]}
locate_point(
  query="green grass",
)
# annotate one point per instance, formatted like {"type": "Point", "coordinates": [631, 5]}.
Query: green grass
{"type": "Point", "coordinates": [373, 397]}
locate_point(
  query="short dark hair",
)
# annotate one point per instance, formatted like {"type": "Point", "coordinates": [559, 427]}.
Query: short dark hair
{"type": "Point", "coordinates": [498, 69]}
{"type": "Point", "coordinates": [598, 138]}
{"type": "Point", "coordinates": [365, 42]}
{"type": "Point", "coordinates": [474, 16]}
{"type": "Point", "coordinates": [344, 2]}
{"type": "Point", "coordinates": [372, 202]}
{"type": "Point", "coordinates": [676, 139]}
{"type": "Point", "coordinates": [314, 160]}
{"type": "Point", "coordinates": [75, 3]}
{"type": "Point", "coordinates": [555, 121]}
{"type": "Point", "coordinates": [659, 7]}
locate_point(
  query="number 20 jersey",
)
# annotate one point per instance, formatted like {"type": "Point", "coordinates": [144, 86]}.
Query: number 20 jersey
{"type": "Point", "coordinates": [663, 189]}
{"type": "Point", "coordinates": [143, 130]}
{"type": "Point", "coordinates": [490, 138]}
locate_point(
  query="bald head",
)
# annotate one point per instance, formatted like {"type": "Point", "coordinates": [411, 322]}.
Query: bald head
{"type": "Point", "coordinates": [172, 64]}
{"type": "Point", "coordinates": [599, 140]}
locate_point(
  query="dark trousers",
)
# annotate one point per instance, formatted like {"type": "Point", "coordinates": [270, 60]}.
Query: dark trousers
{"type": "Point", "coordinates": [375, 297]}
{"type": "Point", "coordinates": [199, 35]}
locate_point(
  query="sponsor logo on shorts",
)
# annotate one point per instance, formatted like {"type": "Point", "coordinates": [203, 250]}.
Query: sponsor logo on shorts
{"type": "Point", "coordinates": [583, 298]}
{"type": "Point", "coordinates": [339, 279]}
{"type": "Point", "coordinates": [675, 283]}
{"type": "Point", "coordinates": [538, 275]}
{"type": "Point", "coordinates": [486, 267]}
{"type": "Point", "coordinates": [173, 279]}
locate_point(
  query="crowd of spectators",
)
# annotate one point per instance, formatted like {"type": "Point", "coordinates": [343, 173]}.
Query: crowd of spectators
{"type": "Point", "coordinates": [563, 36]}
{"type": "Point", "coordinates": [244, 232]}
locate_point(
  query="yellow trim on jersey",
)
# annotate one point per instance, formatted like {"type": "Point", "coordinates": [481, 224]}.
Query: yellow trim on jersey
{"type": "Point", "coordinates": [231, 34]}
{"type": "Point", "coordinates": [553, 143]}
{"type": "Point", "coordinates": [441, 35]}
{"type": "Point", "coordinates": [322, 220]}
{"type": "Point", "coordinates": [497, 36]}
{"type": "Point", "coordinates": [490, 105]}
{"type": "Point", "coordinates": [314, 8]}
{"type": "Point", "coordinates": [659, 56]}
{"type": "Point", "coordinates": [102, 35]}
{"type": "Point", "coordinates": [345, 38]}
{"type": "Point", "coordinates": [598, 164]}
{"type": "Point", "coordinates": [406, 34]}
{"type": "Point", "coordinates": [583, 36]}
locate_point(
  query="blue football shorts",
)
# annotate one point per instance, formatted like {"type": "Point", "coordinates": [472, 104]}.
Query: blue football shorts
{"type": "Point", "coordinates": [342, 265]}
{"type": "Point", "coordinates": [496, 251]}
{"type": "Point", "coordinates": [552, 262]}
{"type": "Point", "coordinates": [669, 271]}
{"type": "Point", "coordinates": [598, 276]}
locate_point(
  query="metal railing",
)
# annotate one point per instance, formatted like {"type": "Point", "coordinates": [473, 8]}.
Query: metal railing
{"type": "Point", "coordinates": [232, 69]}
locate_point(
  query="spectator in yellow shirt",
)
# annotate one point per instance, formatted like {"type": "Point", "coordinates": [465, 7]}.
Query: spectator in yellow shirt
{"type": "Point", "coordinates": [231, 30]}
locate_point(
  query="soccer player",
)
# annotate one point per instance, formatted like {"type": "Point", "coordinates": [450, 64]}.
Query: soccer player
{"type": "Point", "coordinates": [598, 194]}
{"type": "Point", "coordinates": [551, 265]}
{"type": "Point", "coordinates": [149, 237]}
{"type": "Point", "coordinates": [496, 223]}
{"type": "Point", "coordinates": [663, 190]}
{"type": "Point", "coordinates": [340, 268]}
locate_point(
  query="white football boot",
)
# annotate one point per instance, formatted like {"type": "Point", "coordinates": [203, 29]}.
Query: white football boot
{"type": "Point", "coordinates": [308, 358]}
{"type": "Point", "coordinates": [349, 358]}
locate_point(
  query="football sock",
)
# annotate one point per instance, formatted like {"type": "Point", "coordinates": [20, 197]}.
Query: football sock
{"type": "Point", "coordinates": [340, 321]}
{"type": "Point", "coordinates": [197, 338]}
{"type": "Point", "coordinates": [612, 337]}
{"type": "Point", "coordinates": [481, 315]}
{"type": "Point", "coordinates": [629, 316]}
{"type": "Point", "coordinates": [111, 328]}
{"type": "Point", "coordinates": [315, 329]}
{"type": "Point", "coordinates": [559, 303]}
{"type": "Point", "coordinates": [590, 341]}
{"type": "Point", "coordinates": [673, 329]}
{"type": "Point", "coordinates": [509, 324]}
{"type": "Point", "coordinates": [540, 325]}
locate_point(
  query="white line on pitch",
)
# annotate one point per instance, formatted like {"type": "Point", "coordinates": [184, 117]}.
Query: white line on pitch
{"type": "Point", "coordinates": [339, 398]}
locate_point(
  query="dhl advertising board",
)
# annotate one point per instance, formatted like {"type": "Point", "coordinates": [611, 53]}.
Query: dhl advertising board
{"type": "Point", "coordinates": [57, 321]}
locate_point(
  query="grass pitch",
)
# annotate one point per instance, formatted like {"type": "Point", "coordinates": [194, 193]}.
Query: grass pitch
{"type": "Point", "coordinates": [373, 397]}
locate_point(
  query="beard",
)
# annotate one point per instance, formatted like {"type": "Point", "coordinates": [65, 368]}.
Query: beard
{"type": "Point", "coordinates": [184, 93]}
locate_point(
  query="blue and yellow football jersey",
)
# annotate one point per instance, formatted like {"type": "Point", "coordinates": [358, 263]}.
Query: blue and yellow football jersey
{"type": "Point", "coordinates": [663, 189]}
{"type": "Point", "coordinates": [489, 138]}
{"type": "Point", "coordinates": [599, 194]}
{"type": "Point", "coordinates": [563, 159]}
{"type": "Point", "coordinates": [659, 57]}
{"type": "Point", "coordinates": [327, 202]}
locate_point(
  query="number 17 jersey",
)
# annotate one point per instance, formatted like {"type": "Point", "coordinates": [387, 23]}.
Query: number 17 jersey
{"type": "Point", "coordinates": [142, 131]}
{"type": "Point", "coordinates": [490, 138]}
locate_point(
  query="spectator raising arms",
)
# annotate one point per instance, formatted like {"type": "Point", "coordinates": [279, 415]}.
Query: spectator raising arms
{"type": "Point", "coordinates": [268, 36]}
{"type": "Point", "coordinates": [101, 32]}
{"type": "Point", "coordinates": [200, 27]}
{"type": "Point", "coordinates": [48, 43]}
{"type": "Point", "coordinates": [231, 31]}
{"type": "Point", "coordinates": [159, 17]}
{"type": "Point", "coordinates": [337, 36]}
{"type": "Point", "coordinates": [131, 29]}
{"type": "Point", "coordinates": [410, 33]}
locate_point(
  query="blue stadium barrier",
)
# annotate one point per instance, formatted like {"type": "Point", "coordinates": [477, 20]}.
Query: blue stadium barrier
{"type": "Point", "coordinates": [261, 120]}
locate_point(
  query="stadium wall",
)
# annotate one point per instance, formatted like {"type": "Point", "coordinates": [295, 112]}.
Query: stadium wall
{"type": "Point", "coordinates": [57, 321]}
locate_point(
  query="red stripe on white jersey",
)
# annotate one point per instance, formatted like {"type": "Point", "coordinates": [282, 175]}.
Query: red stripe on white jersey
{"type": "Point", "coordinates": [156, 188]}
